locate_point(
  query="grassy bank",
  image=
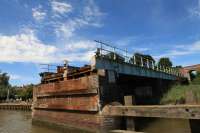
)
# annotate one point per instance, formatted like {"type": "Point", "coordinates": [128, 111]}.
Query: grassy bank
{"type": "Point", "coordinates": [183, 94]}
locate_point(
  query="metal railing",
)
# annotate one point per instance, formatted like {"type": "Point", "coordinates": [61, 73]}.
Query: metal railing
{"type": "Point", "coordinates": [122, 55]}
{"type": "Point", "coordinates": [48, 67]}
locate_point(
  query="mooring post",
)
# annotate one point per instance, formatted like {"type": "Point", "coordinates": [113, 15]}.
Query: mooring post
{"type": "Point", "coordinates": [130, 124]}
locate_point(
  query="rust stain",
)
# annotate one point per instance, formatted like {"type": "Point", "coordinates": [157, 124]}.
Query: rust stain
{"type": "Point", "coordinates": [83, 103]}
{"type": "Point", "coordinates": [80, 84]}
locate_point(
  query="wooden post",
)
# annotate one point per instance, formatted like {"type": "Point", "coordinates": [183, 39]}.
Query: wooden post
{"type": "Point", "coordinates": [130, 125]}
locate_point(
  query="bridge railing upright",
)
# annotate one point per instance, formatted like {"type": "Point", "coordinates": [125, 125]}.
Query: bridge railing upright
{"type": "Point", "coordinates": [122, 55]}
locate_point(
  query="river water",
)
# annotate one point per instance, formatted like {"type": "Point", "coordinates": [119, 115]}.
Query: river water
{"type": "Point", "coordinates": [20, 122]}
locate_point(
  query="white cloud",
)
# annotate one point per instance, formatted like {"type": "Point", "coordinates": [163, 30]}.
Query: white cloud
{"type": "Point", "coordinates": [79, 56]}
{"type": "Point", "coordinates": [15, 77]}
{"type": "Point", "coordinates": [196, 10]}
{"type": "Point", "coordinates": [130, 43]}
{"type": "Point", "coordinates": [67, 29]}
{"type": "Point", "coordinates": [38, 14]}
{"type": "Point", "coordinates": [83, 45]}
{"type": "Point", "coordinates": [90, 16]}
{"type": "Point", "coordinates": [61, 7]}
{"type": "Point", "coordinates": [25, 47]}
{"type": "Point", "coordinates": [181, 50]}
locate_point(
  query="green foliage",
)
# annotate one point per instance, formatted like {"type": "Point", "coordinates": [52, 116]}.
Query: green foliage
{"type": "Point", "coordinates": [175, 94]}
{"type": "Point", "coordinates": [196, 80]}
{"type": "Point", "coordinates": [4, 85]}
{"type": "Point", "coordinates": [178, 94]}
{"type": "Point", "coordinates": [178, 66]}
{"type": "Point", "coordinates": [165, 62]}
{"type": "Point", "coordinates": [4, 79]}
{"type": "Point", "coordinates": [26, 92]}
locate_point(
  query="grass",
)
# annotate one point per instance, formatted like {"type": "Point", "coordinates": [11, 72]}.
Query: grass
{"type": "Point", "coordinates": [181, 94]}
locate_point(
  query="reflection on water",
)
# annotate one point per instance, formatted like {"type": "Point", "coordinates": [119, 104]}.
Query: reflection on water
{"type": "Point", "coordinates": [155, 125]}
{"type": "Point", "coordinates": [20, 122]}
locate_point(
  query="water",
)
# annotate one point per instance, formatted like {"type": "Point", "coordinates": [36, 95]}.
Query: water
{"type": "Point", "coordinates": [20, 122]}
{"type": "Point", "coordinates": [155, 125]}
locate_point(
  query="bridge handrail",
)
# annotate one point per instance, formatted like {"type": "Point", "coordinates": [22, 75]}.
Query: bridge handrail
{"type": "Point", "coordinates": [149, 64]}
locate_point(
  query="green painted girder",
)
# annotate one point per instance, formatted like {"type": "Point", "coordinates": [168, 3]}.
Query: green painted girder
{"type": "Point", "coordinates": [129, 69]}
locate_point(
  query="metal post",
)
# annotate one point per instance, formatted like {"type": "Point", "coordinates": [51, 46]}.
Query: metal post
{"type": "Point", "coordinates": [148, 63]}
{"type": "Point", "coordinates": [65, 69]}
{"type": "Point", "coordinates": [126, 52]}
{"type": "Point", "coordinates": [48, 66]}
{"type": "Point", "coordinates": [173, 71]}
{"type": "Point", "coordinates": [114, 54]}
{"type": "Point", "coordinates": [141, 62]}
{"type": "Point", "coordinates": [101, 49]}
{"type": "Point", "coordinates": [134, 58]}
{"type": "Point", "coordinates": [153, 67]}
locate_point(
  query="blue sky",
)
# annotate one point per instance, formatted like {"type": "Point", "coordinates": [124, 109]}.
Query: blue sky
{"type": "Point", "coordinates": [50, 31]}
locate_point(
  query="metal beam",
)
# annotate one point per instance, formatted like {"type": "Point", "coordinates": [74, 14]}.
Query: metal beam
{"type": "Point", "coordinates": [129, 69]}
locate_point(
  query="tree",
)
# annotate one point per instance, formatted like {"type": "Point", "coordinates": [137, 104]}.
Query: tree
{"type": "Point", "coordinates": [165, 62]}
{"type": "Point", "coordinates": [196, 79]}
{"type": "Point", "coordinates": [4, 85]}
{"type": "Point", "coordinates": [4, 79]}
{"type": "Point", "coordinates": [25, 92]}
{"type": "Point", "coordinates": [178, 66]}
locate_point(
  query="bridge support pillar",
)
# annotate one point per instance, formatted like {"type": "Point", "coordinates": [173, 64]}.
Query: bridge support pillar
{"type": "Point", "coordinates": [130, 124]}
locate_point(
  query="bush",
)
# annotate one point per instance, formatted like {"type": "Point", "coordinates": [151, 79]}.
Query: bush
{"type": "Point", "coordinates": [196, 80]}
{"type": "Point", "coordinates": [26, 92]}
{"type": "Point", "coordinates": [178, 94]}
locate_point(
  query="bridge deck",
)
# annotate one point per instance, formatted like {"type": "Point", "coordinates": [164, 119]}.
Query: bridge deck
{"type": "Point", "coordinates": [130, 69]}
{"type": "Point", "coordinates": [160, 111]}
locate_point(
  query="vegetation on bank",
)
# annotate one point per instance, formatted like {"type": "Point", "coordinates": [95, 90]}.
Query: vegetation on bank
{"type": "Point", "coordinates": [183, 94]}
{"type": "Point", "coordinates": [23, 93]}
